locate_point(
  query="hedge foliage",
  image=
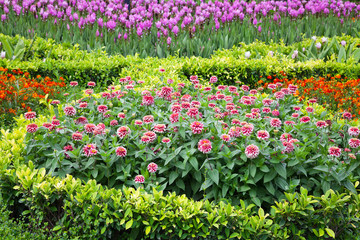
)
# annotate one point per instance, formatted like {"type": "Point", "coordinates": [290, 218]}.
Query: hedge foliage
{"type": "Point", "coordinates": [76, 210]}
{"type": "Point", "coordinates": [46, 58]}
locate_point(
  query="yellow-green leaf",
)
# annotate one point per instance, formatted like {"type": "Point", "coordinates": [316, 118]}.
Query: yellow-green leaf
{"type": "Point", "coordinates": [330, 232]}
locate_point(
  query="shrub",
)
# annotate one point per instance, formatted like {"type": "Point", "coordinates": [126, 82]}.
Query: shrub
{"type": "Point", "coordinates": [227, 142]}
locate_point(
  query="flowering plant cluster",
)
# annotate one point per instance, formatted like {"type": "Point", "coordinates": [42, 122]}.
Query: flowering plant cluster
{"type": "Point", "coordinates": [20, 93]}
{"type": "Point", "coordinates": [339, 94]}
{"type": "Point", "coordinates": [163, 20]}
{"type": "Point", "coordinates": [224, 141]}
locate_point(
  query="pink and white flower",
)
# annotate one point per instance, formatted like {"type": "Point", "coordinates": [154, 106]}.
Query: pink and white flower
{"type": "Point", "coordinates": [152, 167]}
{"type": "Point", "coordinates": [121, 151]}
{"type": "Point", "coordinates": [204, 146]}
{"type": "Point", "coordinates": [252, 151]}
{"type": "Point", "coordinates": [140, 178]}
{"type": "Point", "coordinates": [197, 127]}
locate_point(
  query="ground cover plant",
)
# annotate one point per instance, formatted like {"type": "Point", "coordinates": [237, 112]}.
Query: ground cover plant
{"type": "Point", "coordinates": [168, 27]}
{"type": "Point", "coordinates": [335, 92]}
{"type": "Point", "coordinates": [205, 141]}
{"type": "Point", "coordinates": [20, 93]}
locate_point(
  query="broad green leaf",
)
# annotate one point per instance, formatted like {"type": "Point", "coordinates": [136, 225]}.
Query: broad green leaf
{"type": "Point", "coordinates": [214, 175]}
{"type": "Point", "coordinates": [330, 232]}
{"type": "Point", "coordinates": [280, 169]}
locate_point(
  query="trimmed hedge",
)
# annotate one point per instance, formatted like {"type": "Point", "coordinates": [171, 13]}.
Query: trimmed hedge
{"type": "Point", "coordinates": [76, 210]}
{"type": "Point", "coordinates": [228, 65]}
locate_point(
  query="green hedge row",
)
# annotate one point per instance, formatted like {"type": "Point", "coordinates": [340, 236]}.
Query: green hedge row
{"type": "Point", "coordinates": [70, 209]}
{"type": "Point", "coordinates": [55, 60]}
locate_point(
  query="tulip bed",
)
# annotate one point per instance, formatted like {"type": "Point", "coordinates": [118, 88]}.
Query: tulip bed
{"type": "Point", "coordinates": [164, 28]}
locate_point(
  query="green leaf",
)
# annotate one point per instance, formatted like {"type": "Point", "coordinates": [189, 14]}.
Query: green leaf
{"type": "Point", "coordinates": [330, 232]}
{"type": "Point", "coordinates": [282, 183]}
{"type": "Point", "coordinates": [214, 175]}
{"type": "Point", "coordinates": [349, 185]}
{"type": "Point", "coordinates": [280, 169]}
{"type": "Point", "coordinates": [56, 228]}
{"type": "Point", "coordinates": [252, 170]}
{"type": "Point", "coordinates": [19, 50]}
{"type": "Point", "coordinates": [193, 161]}
{"type": "Point", "coordinates": [103, 230]}
{"type": "Point", "coordinates": [129, 224]}
{"type": "Point", "coordinates": [94, 172]}
{"type": "Point", "coordinates": [180, 183]}
{"type": "Point", "coordinates": [173, 176]}
{"type": "Point", "coordinates": [342, 54]}
{"type": "Point", "coordinates": [147, 230]}
{"type": "Point", "coordinates": [270, 176]}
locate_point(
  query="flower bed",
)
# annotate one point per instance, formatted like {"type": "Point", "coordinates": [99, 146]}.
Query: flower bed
{"type": "Point", "coordinates": [337, 93]}
{"type": "Point", "coordinates": [20, 93]}
{"type": "Point", "coordinates": [227, 141]}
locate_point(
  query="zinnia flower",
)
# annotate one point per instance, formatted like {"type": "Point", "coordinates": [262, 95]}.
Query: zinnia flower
{"type": "Point", "coordinates": [77, 136]}
{"type": "Point", "coordinates": [30, 115]}
{"type": "Point", "coordinates": [89, 128]}
{"type": "Point", "coordinates": [166, 140]}
{"type": "Point", "coordinates": [275, 122]}
{"type": "Point", "coordinates": [121, 151]}
{"type": "Point", "coordinates": [252, 151]}
{"type": "Point", "coordinates": [123, 131]}
{"type": "Point", "coordinates": [197, 127]}
{"type": "Point", "coordinates": [335, 151]}
{"type": "Point", "coordinates": [102, 108]}
{"type": "Point", "coordinates": [148, 119]}
{"type": "Point", "coordinates": [160, 128]}
{"type": "Point", "coordinates": [305, 119]}
{"type": "Point", "coordinates": [225, 137]}
{"type": "Point", "coordinates": [69, 111]}
{"type": "Point", "coordinates": [32, 127]}
{"type": "Point", "coordinates": [140, 178]}
{"type": "Point", "coordinates": [263, 135]}
{"type": "Point", "coordinates": [152, 167]}
{"type": "Point", "coordinates": [354, 131]}
{"type": "Point", "coordinates": [354, 143]}
{"type": "Point", "coordinates": [204, 146]}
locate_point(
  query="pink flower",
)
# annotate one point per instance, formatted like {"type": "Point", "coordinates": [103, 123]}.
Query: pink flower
{"type": "Point", "coordinates": [292, 123]}
{"type": "Point", "coordinates": [185, 105]}
{"type": "Point", "coordinates": [49, 126]}
{"type": "Point", "coordinates": [138, 122]}
{"type": "Point", "coordinates": [204, 146]}
{"type": "Point", "coordinates": [286, 91]}
{"type": "Point", "coordinates": [123, 131]}
{"type": "Point", "coordinates": [313, 100]}
{"type": "Point", "coordinates": [160, 128]}
{"type": "Point", "coordinates": [91, 84]}
{"type": "Point", "coordinates": [289, 147]}
{"type": "Point", "coordinates": [102, 108]}
{"type": "Point", "coordinates": [55, 102]}
{"type": "Point", "coordinates": [235, 131]}
{"type": "Point", "coordinates": [252, 151]}
{"type": "Point", "coordinates": [305, 119]}
{"type": "Point", "coordinates": [220, 96]}
{"type": "Point", "coordinates": [321, 124]}
{"type": "Point", "coordinates": [354, 131]}
{"type": "Point", "coordinates": [347, 115]}
{"type": "Point", "coordinates": [193, 78]}
{"type": "Point", "coordinates": [232, 89]}
{"type": "Point", "coordinates": [272, 86]}
{"type": "Point", "coordinates": [285, 137]}
{"type": "Point", "coordinates": [253, 92]}
{"type": "Point", "coordinates": [145, 139]}
{"type": "Point", "coordinates": [174, 117]}
{"type": "Point", "coordinates": [148, 100]}
{"type": "Point", "coordinates": [354, 143]}
{"type": "Point", "coordinates": [193, 112]}
{"type": "Point", "coordinates": [89, 150]}
{"type": "Point", "coordinates": [148, 119]}
{"type": "Point", "coordinates": [166, 140]}
{"type": "Point", "coordinates": [266, 110]}
{"type": "Point", "coordinates": [235, 121]}
{"type": "Point", "coordinates": [245, 88]}
{"type": "Point", "coordinates": [197, 127]}
{"type": "Point", "coordinates": [140, 178]}
{"type": "Point", "coordinates": [275, 122]}
{"type": "Point", "coordinates": [296, 108]}
{"type": "Point", "coordinates": [295, 115]}
{"type": "Point", "coordinates": [176, 108]}
{"type": "Point", "coordinates": [32, 127]}
{"type": "Point", "coordinates": [247, 129]}
{"type": "Point", "coordinates": [121, 151]}
{"type": "Point", "coordinates": [225, 137]}
{"type": "Point", "coordinates": [170, 81]}
{"type": "Point", "coordinates": [81, 120]}
{"type": "Point", "coordinates": [114, 123]}
{"type": "Point", "coordinates": [335, 151]}
{"type": "Point", "coordinates": [263, 135]}
{"type": "Point", "coordinates": [212, 105]}
{"type": "Point", "coordinates": [89, 91]}
{"type": "Point", "coordinates": [83, 105]}
{"type": "Point", "coordinates": [121, 115]}
{"type": "Point", "coordinates": [275, 113]}
{"type": "Point", "coordinates": [68, 148]}
{"type": "Point", "coordinates": [74, 83]}
{"type": "Point", "coordinates": [213, 79]}
{"type": "Point", "coordinates": [152, 167]}
{"type": "Point", "coordinates": [69, 111]}
{"type": "Point", "coordinates": [151, 135]}
{"type": "Point", "coordinates": [30, 115]}
{"type": "Point", "coordinates": [89, 128]}
{"type": "Point", "coordinates": [267, 102]}
{"type": "Point", "coordinates": [310, 109]}
{"type": "Point", "coordinates": [55, 122]}
{"type": "Point", "coordinates": [77, 136]}
{"type": "Point", "coordinates": [279, 95]}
